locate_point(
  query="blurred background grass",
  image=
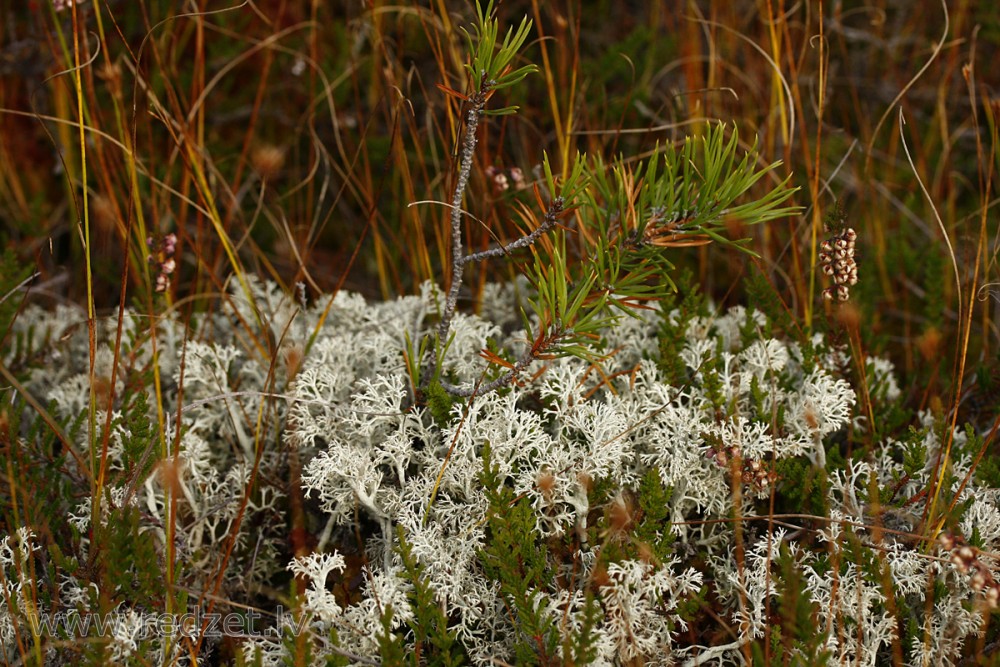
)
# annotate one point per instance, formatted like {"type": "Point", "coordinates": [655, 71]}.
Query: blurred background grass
{"type": "Point", "coordinates": [293, 140]}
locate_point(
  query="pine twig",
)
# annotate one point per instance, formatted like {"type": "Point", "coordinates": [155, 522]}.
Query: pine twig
{"type": "Point", "coordinates": [478, 102]}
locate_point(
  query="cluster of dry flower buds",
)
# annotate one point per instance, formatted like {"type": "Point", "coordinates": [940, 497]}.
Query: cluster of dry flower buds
{"type": "Point", "coordinates": [966, 559]}
{"type": "Point", "coordinates": [60, 5]}
{"type": "Point", "coordinates": [752, 471]}
{"type": "Point", "coordinates": [837, 260]}
{"type": "Point", "coordinates": [161, 257]}
{"type": "Point", "coordinates": [503, 178]}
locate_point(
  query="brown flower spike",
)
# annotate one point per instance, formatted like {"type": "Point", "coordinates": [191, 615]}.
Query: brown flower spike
{"type": "Point", "coordinates": [837, 261]}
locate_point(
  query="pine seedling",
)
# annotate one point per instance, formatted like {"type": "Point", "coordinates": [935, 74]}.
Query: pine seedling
{"type": "Point", "coordinates": [489, 71]}
{"type": "Point", "coordinates": [626, 217]}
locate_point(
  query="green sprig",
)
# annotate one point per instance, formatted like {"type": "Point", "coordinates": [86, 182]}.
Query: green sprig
{"type": "Point", "coordinates": [490, 66]}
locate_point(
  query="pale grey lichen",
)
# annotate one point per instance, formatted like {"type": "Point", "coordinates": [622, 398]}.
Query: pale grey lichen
{"type": "Point", "coordinates": [366, 449]}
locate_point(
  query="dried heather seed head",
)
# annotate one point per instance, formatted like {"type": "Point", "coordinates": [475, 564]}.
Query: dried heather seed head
{"type": "Point", "coordinates": [517, 176]}
{"type": "Point", "coordinates": [964, 559]}
{"type": "Point", "coordinates": [161, 258]}
{"type": "Point", "coordinates": [60, 5]}
{"type": "Point", "coordinates": [500, 183]}
{"type": "Point", "coordinates": [837, 261]}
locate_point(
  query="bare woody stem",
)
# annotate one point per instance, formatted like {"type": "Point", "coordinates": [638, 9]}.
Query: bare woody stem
{"type": "Point", "coordinates": [552, 215]}
{"type": "Point", "coordinates": [478, 102]}
{"type": "Point", "coordinates": [501, 381]}
{"type": "Point", "coordinates": [508, 377]}
{"type": "Point", "coordinates": [459, 259]}
{"type": "Point", "coordinates": [548, 222]}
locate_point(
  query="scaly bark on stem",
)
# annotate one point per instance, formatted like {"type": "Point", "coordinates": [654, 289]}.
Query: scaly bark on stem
{"type": "Point", "coordinates": [457, 251]}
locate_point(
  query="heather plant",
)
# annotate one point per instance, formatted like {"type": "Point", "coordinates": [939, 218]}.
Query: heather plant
{"type": "Point", "coordinates": [602, 459]}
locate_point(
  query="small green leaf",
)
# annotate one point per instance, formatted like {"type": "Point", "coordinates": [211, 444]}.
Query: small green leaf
{"type": "Point", "coordinates": [505, 111]}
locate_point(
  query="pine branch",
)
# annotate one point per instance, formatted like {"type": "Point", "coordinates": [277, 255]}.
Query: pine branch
{"type": "Point", "coordinates": [478, 102]}
{"type": "Point", "coordinates": [556, 209]}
